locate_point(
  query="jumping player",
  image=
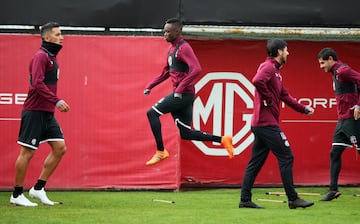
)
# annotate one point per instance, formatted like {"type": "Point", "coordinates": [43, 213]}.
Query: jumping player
{"type": "Point", "coordinates": [182, 68]}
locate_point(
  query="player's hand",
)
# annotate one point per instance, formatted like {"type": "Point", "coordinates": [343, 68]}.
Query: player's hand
{"type": "Point", "coordinates": [147, 91]}
{"type": "Point", "coordinates": [62, 106]}
{"type": "Point", "coordinates": [309, 110]}
{"type": "Point", "coordinates": [356, 109]}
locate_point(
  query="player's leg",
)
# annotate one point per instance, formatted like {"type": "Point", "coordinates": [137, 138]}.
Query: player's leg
{"type": "Point", "coordinates": [183, 119]}
{"type": "Point", "coordinates": [55, 139]}
{"type": "Point", "coordinates": [29, 137]}
{"type": "Point", "coordinates": [335, 165]}
{"type": "Point", "coordinates": [280, 146]}
{"type": "Point", "coordinates": [276, 140]}
{"type": "Point", "coordinates": [339, 143]}
{"type": "Point", "coordinates": [163, 106]}
{"type": "Point", "coordinates": [259, 153]}
{"type": "Point", "coordinates": [58, 149]}
{"type": "Point", "coordinates": [335, 168]}
{"type": "Point", "coordinates": [21, 164]}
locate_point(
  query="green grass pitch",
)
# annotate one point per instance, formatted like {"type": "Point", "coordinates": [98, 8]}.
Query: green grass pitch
{"type": "Point", "coordinates": [208, 206]}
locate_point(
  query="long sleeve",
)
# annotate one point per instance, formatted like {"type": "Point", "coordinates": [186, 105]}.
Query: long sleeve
{"type": "Point", "coordinates": [38, 71]}
{"type": "Point", "coordinates": [187, 55]}
{"type": "Point", "coordinates": [159, 79]}
{"type": "Point", "coordinates": [291, 102]}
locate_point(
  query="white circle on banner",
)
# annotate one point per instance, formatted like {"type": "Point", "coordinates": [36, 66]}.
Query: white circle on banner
{"type": "Point", "coordinates": [221, 104]}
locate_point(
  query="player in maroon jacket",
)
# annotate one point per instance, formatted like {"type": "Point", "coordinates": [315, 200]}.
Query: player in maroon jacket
{"type": "Point", "coordinates": [265, 125]}
{"type": "Point", "coordinates": [38, 123]}
{"type": "Point", "coordinates": [182, 68]}
{"type": "Point", "coordinates": [347, 131]}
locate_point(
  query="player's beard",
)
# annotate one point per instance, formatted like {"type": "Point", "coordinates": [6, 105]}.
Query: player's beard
{"type": "Point", "coordinates": [283, 59]}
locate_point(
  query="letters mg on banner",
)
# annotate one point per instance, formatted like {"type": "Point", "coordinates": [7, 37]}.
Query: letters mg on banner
{"type": "Point", "coordinates": [220, 111]}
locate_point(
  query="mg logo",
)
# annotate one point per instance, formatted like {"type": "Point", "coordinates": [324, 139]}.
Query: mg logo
{"type": "Point", "coordinates": [224, 105]}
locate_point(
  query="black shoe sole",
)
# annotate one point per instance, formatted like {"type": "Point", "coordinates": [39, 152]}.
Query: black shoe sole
{"type": "Point", "coordinates": [251, 207]}
{"type": "Point", "coordinates": [304, 206]}
{"type": "Point", "coordinates": [245, 206]}
{"type": "Point", "coordinates": [332, 198]}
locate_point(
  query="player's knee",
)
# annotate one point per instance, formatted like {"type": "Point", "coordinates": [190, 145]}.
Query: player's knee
{"type": "Point", "coordinates": [185, 133]}
{"type": "Point", "coordinates": [291, 158]}
{"type": "Point", "coordinates": [26, 153]}
{"type": "Point", "coordinates": [63, 150]}
{"type": "Point", "coordinates": [152, 113]}
{"type": "Point", "coordinates": [333, 154]}
{"type": "Point", "coordinates": [336, 152]}
{"type": "Point", "coordinates": [60, 149]}
{"type": "Point", "coordinates": [185, 136]}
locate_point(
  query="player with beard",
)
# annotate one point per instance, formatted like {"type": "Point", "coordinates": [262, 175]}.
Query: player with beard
{"type": "Point", "coordinates": [265, 125]}
{"type": "Point", "coordinates": [182, 67]}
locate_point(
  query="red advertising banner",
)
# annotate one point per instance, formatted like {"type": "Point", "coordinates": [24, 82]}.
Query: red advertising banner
{"type": "Point", "coordinates": [107, 133]}
{"type": "Point", "coordinates": [224, 106]}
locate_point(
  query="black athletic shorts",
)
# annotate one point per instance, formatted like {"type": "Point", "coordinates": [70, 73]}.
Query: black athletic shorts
{"type": "Point", "coordinates": [347, 133]}
{"type": "Point", "coordinates": [180, 108]}
{"type": "Point", "coordinates": [37, 127]}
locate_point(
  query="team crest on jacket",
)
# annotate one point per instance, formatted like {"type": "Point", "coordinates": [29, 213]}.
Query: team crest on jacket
{"type": "Point", "coordinates": [169, 60]}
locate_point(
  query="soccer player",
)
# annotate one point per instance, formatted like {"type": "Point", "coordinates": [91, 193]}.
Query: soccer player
{"type": "Point", "coordinates": [347, 131]}
{"type": "Point", "coordinates": [182, 68]}
{"type": "Point", "coordinates": [38, 123]}
{"type": "Point", "coordinates": [265, 125]}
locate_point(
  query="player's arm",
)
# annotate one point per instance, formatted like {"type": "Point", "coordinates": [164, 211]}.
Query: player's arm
{"type": "Point", "coordinates": [348, 74]}
{"type": "Point", "coordinates": [291, 102]}
{"type": "Point", "coordinates": [38, 71]}
{"type": "Point", "coordinates": [186, 54]}
{"type": "Point", "coordinates": [262, 76]}
{"type": "Point", "coordinates": [157, 80]}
